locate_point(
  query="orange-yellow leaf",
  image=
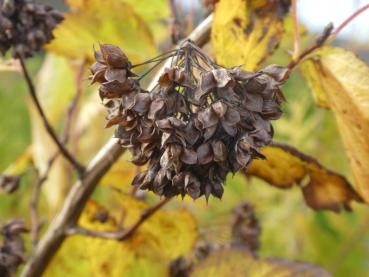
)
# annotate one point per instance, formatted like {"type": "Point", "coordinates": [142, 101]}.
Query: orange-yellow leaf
{"type": "Point", "coordinates": [321, 187]}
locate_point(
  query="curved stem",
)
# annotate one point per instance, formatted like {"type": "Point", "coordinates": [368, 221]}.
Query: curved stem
{"type": "Point", "coordinates": [80, 169]}
{"type": "Point", "coordinates": [35, 229]}
{"type": "Point", "coordinates": [319, 41]}
{"type": "Point", "coordinates": [349, 19]}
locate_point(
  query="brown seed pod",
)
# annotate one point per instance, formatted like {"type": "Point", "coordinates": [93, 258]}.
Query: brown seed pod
{"type": "Point", "coordinates": [25, 26]}
{"type": "Point", "coordinates": [199, 123]}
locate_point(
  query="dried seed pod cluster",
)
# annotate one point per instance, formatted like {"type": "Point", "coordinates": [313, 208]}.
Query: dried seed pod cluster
{"type": "Point", "coordinates": [199, 123]}
{"type": "Point", "coordinates": [245, 228]}
{"type": "Point", "coordinates": [25, 26]}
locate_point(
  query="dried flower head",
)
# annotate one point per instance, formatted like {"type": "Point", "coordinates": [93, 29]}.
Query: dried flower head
{"type": "Point", "coordinates": [200, 122]}
{"type": "Point", "coordinates": [25, 26]}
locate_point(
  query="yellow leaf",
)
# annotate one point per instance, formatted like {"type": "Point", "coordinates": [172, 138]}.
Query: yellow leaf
{"type": "Point", "coordinates": [344, 80]}
{"type": "Point", "coordinates": [179, 227]}
{"type": "Point", "coordinates": [245, 32]}
{"type": "Point", "coordinates": [156, 15]}
{"type": "Point", "coordinates": [235, 262]}
{"type": "Point", "coordinates": [91, 22]}
{"type": "Point", "coordinates": [322, 188]}
{"type": "Point", "coordinates": [166, 235]}
{"type": "Point", "coordinates": [121, 173]}
{"type": "Point", "coordinates": [310, 72]}
{"type": "Point", "coordinates": [21, 164]}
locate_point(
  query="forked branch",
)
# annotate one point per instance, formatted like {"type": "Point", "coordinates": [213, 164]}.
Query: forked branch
{"type": "Point", "coordinates": [119, 234]}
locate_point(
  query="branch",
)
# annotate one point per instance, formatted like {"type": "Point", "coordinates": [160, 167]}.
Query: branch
{"type": "Point", "coordinates": [66, 133]}
{"type": "Point", "coordinates": [175, 26]}
{"type": "Point", "coordinates": [120, 234]}
{"type": "Point", "coordinates": [49, 128]}
{"type": "Point", "coordinates": [82, 190]}
{"type": "Point", "coordinates": [296, 33]}
{"type": "Point", "coordinates": [327, 34]}
{"type": "Point", "coordinates": [349, 19]}
{"type": "Point", "coordinates": [319, 41]}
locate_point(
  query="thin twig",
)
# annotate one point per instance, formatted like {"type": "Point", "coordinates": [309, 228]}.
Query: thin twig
{"type": "Point", "coordinates": [72, 108]}
{"type": "Point", "coordinates": [327, 35]}
{"type": "Point", "coordinates": [296, 33]}
{"type": "Point", "coordinates": [119, 234]}
{"type": "Point", "coordinates": [35, 225]}
{"type": "Point", "coordinates": [49, 128]}
{"type": "Point", "coordinates": [319, 41]}
{"type": "Point", "coordinates": [35, 228]}
{"type": "Point", "coordinates": [175, 26]}
{"type": "Point", "coordinates": [349, 19]}
{"type": "Point", "coordinates": [82, 190]}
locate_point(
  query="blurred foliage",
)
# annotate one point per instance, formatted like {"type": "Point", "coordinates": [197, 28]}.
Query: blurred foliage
{"type": "Point", "coordinates": [14, 104]}
{"type": "Point", "coordinates": [89, 22]}
{"type": "Point", "coordinates": [163, 237]}
{"type": "Point", "coordinates": [233, 262]}
{"type": "Point", "coordinates": [290, 229]}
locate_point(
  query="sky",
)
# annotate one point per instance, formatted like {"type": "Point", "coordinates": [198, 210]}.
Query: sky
{"type": "Point", "coordinates": [315, 14]}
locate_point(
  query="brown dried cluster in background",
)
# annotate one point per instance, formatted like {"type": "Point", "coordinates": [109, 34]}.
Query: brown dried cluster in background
{"type": "Point", "coordinates": [246, 229]}
{"type": "Point", "coordinates": [25, 26]}
{"type": "Point", "coordinates": [199, 123]}
{"type": "Point", "coordinates": [12, 251]}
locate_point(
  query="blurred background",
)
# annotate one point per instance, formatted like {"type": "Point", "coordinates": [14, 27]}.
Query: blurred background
{"type": "Point", "coordinates": [290, 229]}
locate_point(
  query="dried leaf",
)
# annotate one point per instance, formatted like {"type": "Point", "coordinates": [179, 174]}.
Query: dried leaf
{"type": "Point", "coordinates": [322, 188]}
{"type": "Point", "coordinates": [244, 32]}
